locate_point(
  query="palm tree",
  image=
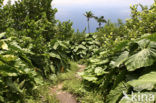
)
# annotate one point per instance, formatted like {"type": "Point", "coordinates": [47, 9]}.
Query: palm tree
{"type": "Point", "coordinates": [89, 15]}
{"type": "Point", "coordinates": [100, 20]}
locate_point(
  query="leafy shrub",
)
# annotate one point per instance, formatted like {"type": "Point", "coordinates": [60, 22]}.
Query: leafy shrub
{"type": "Point", "coordinates": [85, 48]}
{"type": "Point", "coordinates": [131, 68]}
{"type": "Point", "coordinates": [17, 74]}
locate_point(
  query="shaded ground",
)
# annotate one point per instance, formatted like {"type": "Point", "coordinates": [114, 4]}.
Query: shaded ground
{"type": "Point", "coordinates": [64, 96]}
{"type": "Point", "coordinates": [82, 67]}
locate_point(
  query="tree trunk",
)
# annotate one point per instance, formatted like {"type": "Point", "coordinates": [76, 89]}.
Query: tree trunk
{"type": "Point", "coordinates": [100, 25]}
{"type": "Point", "coordinates": [88, 27]}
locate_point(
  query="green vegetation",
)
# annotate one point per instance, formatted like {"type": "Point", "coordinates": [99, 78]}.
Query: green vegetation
{"type": "Point", "coordinates": [100, 20]}
{"type": "Point", "coordinates": [129, 68]}
{"type": "Point", "coordinates": [125, 62]}
{"type": "Point", "coordinates": [83, 94]}
{"type": "Point", "coordinates": [36, 51]}
{"type": "Point", "coordinates": [74, 85]}
{"type": "Point", "coordinates": [69, 74]}
{"type": "Point", "coordinates": [44, 95]}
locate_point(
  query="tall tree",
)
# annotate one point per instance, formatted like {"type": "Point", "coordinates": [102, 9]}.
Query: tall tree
{"type": "Point", "coordinates": [89, 15]}
{"type": "Point", "coordinates": [5, 16]}
{"type": "Point", "coordinates": [1, 2]}
{"type": "Point", "coordinates": [32, 16]}
{"type": "Point", "coordinates": [100, 20]}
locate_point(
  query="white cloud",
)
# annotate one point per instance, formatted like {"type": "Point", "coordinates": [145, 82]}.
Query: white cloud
{"type": "Point", "coordinates": [100, 2]}
{"type": "Point", "coordinates": [12, 1]}
{"type": "Point", "coordinates": [96, 2]}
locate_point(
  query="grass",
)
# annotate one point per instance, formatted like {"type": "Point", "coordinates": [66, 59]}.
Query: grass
{"type": "Point", "coordinates": [70, 74]}
{"type": "Point", "coordinates": [77, 88]}
{"type": "Point", "coordinates": [71, 84]}
{"type": "Point", "coordinates": [44, 96]}
{"type": "Point", "coordinates": [44, 90]}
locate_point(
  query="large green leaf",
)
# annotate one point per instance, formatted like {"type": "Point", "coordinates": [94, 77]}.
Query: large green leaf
{"type": "Point", "coordinates": [2, 35]}
{"type": "Point", "coordinates": [55, 45]}
{"type": "Point", "coordinates": [121, 45]}
{"type": "Point", "coordinates": [116, 94]}
{"type": "Point", "coordinates": [54, 55]}
{"type": "Point", "coordinates": [91, 78]}
{"type": "Point", "coordinates": [8, 58]}
{"type": "Point", "coordinates": [144, 82]}
{"type": "Point", "coordinates": [102, 62]}
{"type": "Point", "coordinates": [7, 70]}
{"type": "Point", "coordinates": [81, 47]}
{"type": "Point", "coordinates": [3, 45]}
{"type": "Point", "coordinates": [151, 37]}
{"type": "Point", "coordinates": [100, 71]}
{"type": "Point", "coordinates": [121, 59]}
{"type": "Point", "coordinates": [143, 58]}
{"type": "Point", "coordinates": [63, 44]}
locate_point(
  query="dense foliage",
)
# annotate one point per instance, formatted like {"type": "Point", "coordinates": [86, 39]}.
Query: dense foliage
{"type": "Point", "coordinates": [127, 60]}
{"type": "Point", "coordinates": [131, 65]}
{"type": "Point", "coordinates": [17, 72]}
{"type": "Point", "coordinates": [31, 50]}
{"type": "Point", "coordinates": [35, 47]}
{"type": "Point", "coordinates": [85, 47]}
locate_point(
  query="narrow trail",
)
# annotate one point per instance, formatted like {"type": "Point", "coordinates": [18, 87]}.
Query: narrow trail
{"type": "Point", "coordinates": [81, 69]}
{"type": "Point", "coordinates": [64, 96]}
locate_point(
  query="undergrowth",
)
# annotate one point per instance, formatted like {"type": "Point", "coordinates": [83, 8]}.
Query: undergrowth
{"type": "Point", "coordinates": [83, 95]}
{"type": "Point", "coordinates": [44, 95]}
{"type": "Point", "coordinates": [75, 86]}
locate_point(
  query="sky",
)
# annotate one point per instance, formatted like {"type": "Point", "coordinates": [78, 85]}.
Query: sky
{"type": "Point", "coordinates": [110, 9]}
{"type": "Point", "coordinates": [100, 2]}
{"type": "Point", "coordinates": [73, 10]}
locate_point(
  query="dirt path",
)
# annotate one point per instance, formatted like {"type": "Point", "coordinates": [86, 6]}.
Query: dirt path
{"type": "Point", "coordinates": [63, 96]}
{"type": "Point", "coordinates": [82, 67]}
